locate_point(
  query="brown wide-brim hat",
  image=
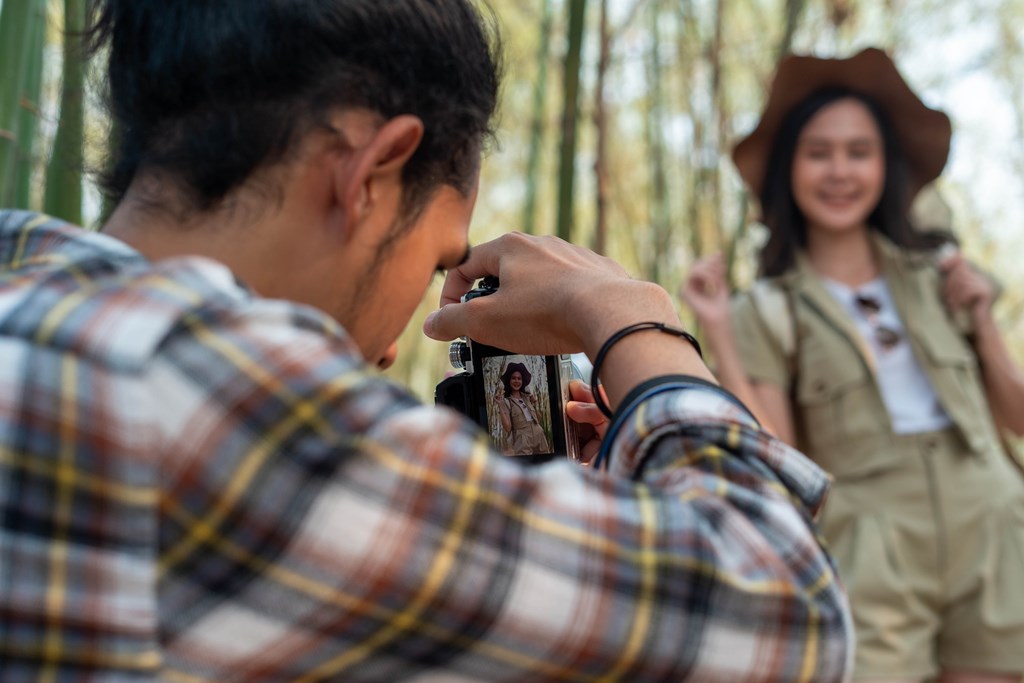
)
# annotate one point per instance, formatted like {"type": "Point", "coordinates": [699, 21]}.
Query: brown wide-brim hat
{"type": "Point", "coordinates": [523, 372]}
{"type": "Point", "coordinates": [923, 134]}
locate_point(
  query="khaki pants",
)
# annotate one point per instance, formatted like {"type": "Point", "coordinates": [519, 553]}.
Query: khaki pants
{"type": "Point", "coordinates": [931, 551]}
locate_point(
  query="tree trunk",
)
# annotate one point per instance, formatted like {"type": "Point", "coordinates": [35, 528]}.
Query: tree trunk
{"type": "Point", "coordinates": [600, 123]}
{"type": "Point", "coordinates": [64, 174]}
{"type": "Point", "coordinates": [537, 126]}
{"type": "Point", "coordinates": [570, 118]}
{"type": "Point", "coordinates": [15, 18]}
{"type": "Point", "coordinates": [660, 218]}
{"type": "Point", "coordinates": [688, 33]}
{"type": "Point", "coordinates": [794, 8]}
{"type": "Point", "coordinates": [716, 140]}
{"type": "Point", "coordinates": [28, 119]}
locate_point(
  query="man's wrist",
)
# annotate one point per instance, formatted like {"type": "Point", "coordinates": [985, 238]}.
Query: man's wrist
{"type": "Point", "coordinates": [644, 355]}
{"type": "Point", "coordinates": [628, 302]}
{"type": "Point", "coordinates": [617, 337]}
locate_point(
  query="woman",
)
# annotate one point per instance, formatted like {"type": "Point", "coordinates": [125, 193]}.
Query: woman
{"type": "Point", "coordinates": [517, 409]}
{"type": "Point", "coordinates": [852, 346]}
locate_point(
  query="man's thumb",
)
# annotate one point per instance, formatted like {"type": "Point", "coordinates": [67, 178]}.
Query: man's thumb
{"type": "Point", "coordinates": [446, 323]}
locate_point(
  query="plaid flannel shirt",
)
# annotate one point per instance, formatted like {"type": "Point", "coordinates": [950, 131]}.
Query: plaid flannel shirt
{"type": "Point", "coordinates": [199, 484]}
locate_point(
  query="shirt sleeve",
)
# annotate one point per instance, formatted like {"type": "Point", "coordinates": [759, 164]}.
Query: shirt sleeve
{"type": "Point", "coordinates": [318, 522]}
{"type": "Point", "coordinates": [760, 350]}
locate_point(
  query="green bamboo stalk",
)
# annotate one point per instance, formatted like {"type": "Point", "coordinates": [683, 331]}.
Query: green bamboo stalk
{"type": "Point", "coordinates": [793, 10]}
{"type": "Point", "coordinates": [63, 197]}
{"type": "Point", "coordinates": [687, 42]}
{"type": "Point", "coordinates": [717, 139]}
{"type": "Point", "coordinates": [739, 236]}
{"type": "Point", "coordinates": [28, 121]}
{"type": "Point", "coordinates": [570, 119]}
{"type": "Point", "coordinates": [537, 126]}
{"type": "Point", "coordinates": [600, 239]}
{"type": "Point", "coordinates": [661, 221]}
{"type": "Point", "coordinates": [14, 43]}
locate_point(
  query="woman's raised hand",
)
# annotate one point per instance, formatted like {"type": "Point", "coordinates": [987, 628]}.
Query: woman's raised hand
{"type": "Point", "coordinates": [706, 291]}
{"type": "Point", "coordinates": [965, 288]}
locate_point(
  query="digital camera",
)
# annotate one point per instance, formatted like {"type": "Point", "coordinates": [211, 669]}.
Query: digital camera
{"type": "Point", "coordinates": [518, 399]}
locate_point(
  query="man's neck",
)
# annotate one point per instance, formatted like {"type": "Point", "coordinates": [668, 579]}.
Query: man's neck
{"type": "Point", "coordinates": [238, 236]}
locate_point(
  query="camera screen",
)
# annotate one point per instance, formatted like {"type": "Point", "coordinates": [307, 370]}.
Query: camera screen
{"type": "Point", "coordinates": [523, 406]}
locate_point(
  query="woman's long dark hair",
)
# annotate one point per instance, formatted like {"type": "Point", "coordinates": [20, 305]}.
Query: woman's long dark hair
{"type": "Point", "coordinates": [785, 221]}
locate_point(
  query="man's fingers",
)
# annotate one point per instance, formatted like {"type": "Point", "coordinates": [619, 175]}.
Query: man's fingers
{"type": "Point", "coordinates": [455, 285]}
{"type": "Point", "coordinates": [589, 451]}
{"type": "Point", "coordinates": [484, 259]}
{"type": "Point", "coordinates": [592, 421]}
{"type": "Point", "coordinates": [584, 413]}
{"type": "Point", "coordinates": [587, 414]}
{"type": "Point", "coordinates": [446, 323]}
{"type": "Point", "coordinates": [581, 391]}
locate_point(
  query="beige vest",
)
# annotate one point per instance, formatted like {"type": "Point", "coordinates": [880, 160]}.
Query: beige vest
{"type": "Point", "coordinates": [841, 420]}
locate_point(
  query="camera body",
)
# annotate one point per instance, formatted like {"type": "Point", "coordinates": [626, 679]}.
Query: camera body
{"type": "Point", "coordinates": [518, 399]}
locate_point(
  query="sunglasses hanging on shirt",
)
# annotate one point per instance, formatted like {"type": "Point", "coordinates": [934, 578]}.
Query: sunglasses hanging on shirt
{"type": "Point", "coordinates": [870, 307]}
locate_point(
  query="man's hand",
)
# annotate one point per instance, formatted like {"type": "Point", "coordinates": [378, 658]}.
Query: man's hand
{"type": "Point", "coordinates": [591, 422]}
{"type": "Point", "coordinates": [554, 297]}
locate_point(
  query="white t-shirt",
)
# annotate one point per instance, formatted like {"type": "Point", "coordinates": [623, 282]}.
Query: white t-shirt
{"type": "Point", "coordinates": [906, 390]}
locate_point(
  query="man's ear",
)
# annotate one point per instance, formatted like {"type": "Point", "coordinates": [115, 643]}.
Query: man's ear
{"type": "Point", "coordinates": [374, 177]}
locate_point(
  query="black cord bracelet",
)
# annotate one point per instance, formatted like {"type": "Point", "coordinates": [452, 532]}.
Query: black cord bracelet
{"type": "Point", "coordinates": [625, 332]}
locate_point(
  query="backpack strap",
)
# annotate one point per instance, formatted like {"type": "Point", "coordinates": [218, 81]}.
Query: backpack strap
{"type": "Point", "coordinates": [774, 305]}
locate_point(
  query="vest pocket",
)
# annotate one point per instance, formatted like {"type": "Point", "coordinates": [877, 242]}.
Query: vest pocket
{"type": "Point", "coordinates": [866, 550]}
{"type": "Point", "coordinates": [836, 406]}
{"type": "Point", "coordinates": [945, 348]}
{"type": "Point", "coordinates": [953, 369]}
{"type": "Point", "coordinates": [1003, 597]}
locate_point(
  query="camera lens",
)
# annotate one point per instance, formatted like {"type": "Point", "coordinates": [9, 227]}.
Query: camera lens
{"type": "Point", "coordinates": [458, 354]}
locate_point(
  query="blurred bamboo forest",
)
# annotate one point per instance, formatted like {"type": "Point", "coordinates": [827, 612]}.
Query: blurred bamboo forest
{"type": "Point", "coordinates": [616, 123]}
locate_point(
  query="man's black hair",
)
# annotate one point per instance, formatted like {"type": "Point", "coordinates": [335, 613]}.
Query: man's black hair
{"type": "Point", "coordinates": [787, 224]}
{"type": "Point", "coordinates": [206, 92]}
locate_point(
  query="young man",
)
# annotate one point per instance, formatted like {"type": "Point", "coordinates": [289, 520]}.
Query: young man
{"type": "Point", "coordinates": [201, 477]}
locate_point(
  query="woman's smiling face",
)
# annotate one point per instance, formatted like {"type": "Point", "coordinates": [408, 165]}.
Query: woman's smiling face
{"type": "Point", "coordinates": [838, 173]}
{"type": "Point", "coordinates": [516, 381]}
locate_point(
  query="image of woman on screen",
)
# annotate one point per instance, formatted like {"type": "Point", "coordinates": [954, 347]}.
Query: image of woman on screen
{"type": "Point", "coordinates": [517, 408]}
